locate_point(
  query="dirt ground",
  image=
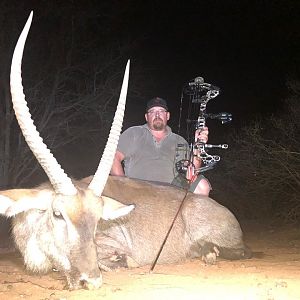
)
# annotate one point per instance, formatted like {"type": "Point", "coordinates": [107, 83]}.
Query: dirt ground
{"type": "Point", "coordinates": [274, 273]}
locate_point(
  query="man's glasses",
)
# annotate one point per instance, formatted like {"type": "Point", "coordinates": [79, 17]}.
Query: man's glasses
{"type": "Point", "coordinates": [154, 112]}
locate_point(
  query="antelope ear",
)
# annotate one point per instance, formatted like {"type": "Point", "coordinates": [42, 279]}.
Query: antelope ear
{"type": "Point", "coordinates": [113, 209]}
{"type": "Point", "coordinates": [13, 202]}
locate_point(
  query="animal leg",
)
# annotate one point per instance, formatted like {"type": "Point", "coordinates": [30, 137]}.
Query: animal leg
{"type": "Point", "coordinates": [112, 254]}
{"type": "Point", "coordinates": [206, 250]}
{"type": "Point", "coordinates": [209, 253]}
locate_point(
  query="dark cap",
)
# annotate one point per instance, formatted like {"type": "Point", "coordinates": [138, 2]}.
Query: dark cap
{"type": "Point", "coordinates": [157, 102]}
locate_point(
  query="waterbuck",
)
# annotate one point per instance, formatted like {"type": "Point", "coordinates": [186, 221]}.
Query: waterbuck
{"type": "Point", "coordinates": [76, 226]}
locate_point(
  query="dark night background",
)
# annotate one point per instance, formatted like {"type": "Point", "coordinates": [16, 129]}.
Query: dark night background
{"type": "Point", "coordinates": [250, 49]}
{"type": "Point", "coordinates": [247, 48]}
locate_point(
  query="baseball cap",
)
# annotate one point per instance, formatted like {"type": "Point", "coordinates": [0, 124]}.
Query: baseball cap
{"type": "Point", "coordinates": [157, 101]}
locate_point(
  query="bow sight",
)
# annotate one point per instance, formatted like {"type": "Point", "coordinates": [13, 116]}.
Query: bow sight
{"type": "Point", "coordinates": [199, 93]}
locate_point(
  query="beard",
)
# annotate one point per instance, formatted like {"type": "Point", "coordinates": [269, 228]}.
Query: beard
{"type": "Point", "coordinates": [158, 124]}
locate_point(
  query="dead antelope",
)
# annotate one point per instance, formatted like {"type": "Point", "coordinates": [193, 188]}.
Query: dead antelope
{"type": "Point", "coordinates": [59, 223]}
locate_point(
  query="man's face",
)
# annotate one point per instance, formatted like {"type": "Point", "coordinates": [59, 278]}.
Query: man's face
{"type": "Point", "coordinates": [157, 118]}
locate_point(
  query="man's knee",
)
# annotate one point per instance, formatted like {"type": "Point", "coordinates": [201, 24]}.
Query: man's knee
{"type": "Point", "coordinates": [203, 187]}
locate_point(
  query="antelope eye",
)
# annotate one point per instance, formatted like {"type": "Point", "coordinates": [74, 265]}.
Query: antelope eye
{"type": "Point", "coordinates": [57, 214]}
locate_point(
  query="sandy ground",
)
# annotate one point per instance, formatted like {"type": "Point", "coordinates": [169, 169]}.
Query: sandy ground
{"type": "Point", "coordinates": [274, 273]}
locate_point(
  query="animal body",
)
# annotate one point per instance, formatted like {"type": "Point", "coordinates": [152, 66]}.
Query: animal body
{"type": "Point", "coordinates": [77, 226]}
{"type": "Point", "coordinates": [203, 228]}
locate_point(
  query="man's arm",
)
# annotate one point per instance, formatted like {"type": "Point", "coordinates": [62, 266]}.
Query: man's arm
{"type": "Point", "coordinates": [117, 168]}
{"type": "Point", "coordinates": [200, 135]}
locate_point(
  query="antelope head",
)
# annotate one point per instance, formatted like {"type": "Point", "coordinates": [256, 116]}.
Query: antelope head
{"type": "Point", "coordinates": [54, 224]}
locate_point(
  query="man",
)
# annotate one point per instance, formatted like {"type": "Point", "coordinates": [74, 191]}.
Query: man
{"type": "Point", "coordinates": [150, 151]}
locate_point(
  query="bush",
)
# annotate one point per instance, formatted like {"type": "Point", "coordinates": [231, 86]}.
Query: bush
{"type": "Point", "coordinates": [261, 173]}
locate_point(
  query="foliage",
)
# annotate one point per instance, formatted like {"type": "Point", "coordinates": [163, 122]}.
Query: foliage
{"type": "Point", "coordinates": [72, 77]}
{"type": "Point", "coordinates": [261, 176]}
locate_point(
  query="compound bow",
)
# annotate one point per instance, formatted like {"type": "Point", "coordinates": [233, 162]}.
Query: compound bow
{"type": "Point", "coordinates": [199, 94]}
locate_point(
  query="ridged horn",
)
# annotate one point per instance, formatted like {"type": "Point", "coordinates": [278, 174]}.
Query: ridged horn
{"type": "Point", "coordinates": [98, 182]}
{"type": "Point", "coordinates": [61, 183]}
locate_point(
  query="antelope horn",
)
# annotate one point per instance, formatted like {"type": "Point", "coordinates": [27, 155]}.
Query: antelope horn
{"type": "Point", "coordinates": [98, 182]}
{"type": "Point", "coordinates": [61, 183]}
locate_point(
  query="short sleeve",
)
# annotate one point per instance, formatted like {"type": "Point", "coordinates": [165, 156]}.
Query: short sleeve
{"type": "Point", "coordinates": [126, 141]}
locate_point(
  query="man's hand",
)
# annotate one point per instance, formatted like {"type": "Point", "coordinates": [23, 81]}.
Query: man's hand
{"type": "Point", "coordinates": [190, 174]}
{"type": "Point", "coordinates": [201, 135]}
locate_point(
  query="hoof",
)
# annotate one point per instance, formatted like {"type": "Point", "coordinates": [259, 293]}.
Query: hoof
{"type": "Point", "coordinates": [209, 253]}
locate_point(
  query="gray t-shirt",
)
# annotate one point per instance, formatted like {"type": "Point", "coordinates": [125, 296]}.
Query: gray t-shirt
{"type": "Point", "coordinates": [147, 159]}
